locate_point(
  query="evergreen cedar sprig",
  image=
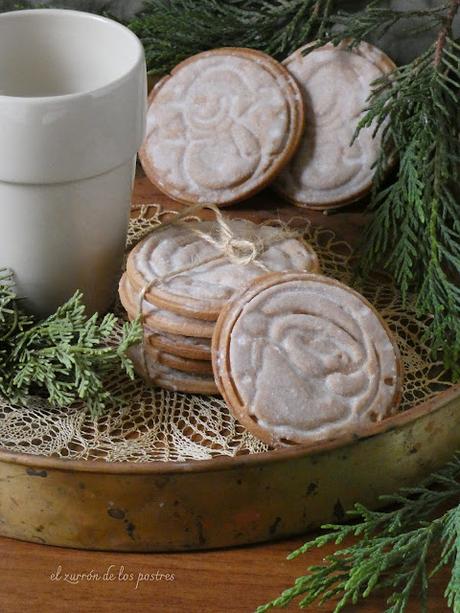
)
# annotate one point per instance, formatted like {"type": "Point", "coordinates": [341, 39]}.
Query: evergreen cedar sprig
{"type": "Point", "coordinates": [414, 231]}
{"type": "Point", "coordinates": [172, 31]}
{"type": "Point", "coordinates": [376, 21]}
{"type": "Point", "coordinates": [392, 551]}
{"type": "Point", "coordinates": [64, 358]}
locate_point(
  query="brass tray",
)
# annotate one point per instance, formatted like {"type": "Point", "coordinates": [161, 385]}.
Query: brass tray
{"type": "Point", "coordinates": [220, 502]}
{"type": "Point", "coordinates": [223, 501]}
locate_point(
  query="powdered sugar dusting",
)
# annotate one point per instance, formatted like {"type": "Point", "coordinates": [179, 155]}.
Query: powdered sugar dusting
{"type": "Point", "coordinates": [312, 361]}
{"type": "Point", "coordinates": [217, 125]}
{"type": "Point", "coordinates": [213, 278]}
{"type": "Point", "coordinates": [336, 84]}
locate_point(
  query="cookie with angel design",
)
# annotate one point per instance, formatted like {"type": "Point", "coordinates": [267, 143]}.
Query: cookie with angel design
{"type": "Point", "coordinates": [221, 126]}
{"type": "Point", "coordinates": [302, 358]}
{"type": "Point", "coordinates": [330, 169]}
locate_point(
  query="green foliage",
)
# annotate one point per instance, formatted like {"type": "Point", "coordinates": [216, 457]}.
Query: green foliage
{"type": "Point", "coordinates": [64, 358]}
{"type": "Point", "coordinates": [375, 21]}
{"type": "Point", "coordinates": [395, 550]}
{"type": "Point", "coordinates": [414, 231]}
{"type": "Point", "coordinates": [415, 228]}
{"type": "Point", "coordinates": [172, 31]}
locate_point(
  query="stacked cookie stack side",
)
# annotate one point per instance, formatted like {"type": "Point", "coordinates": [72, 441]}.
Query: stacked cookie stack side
{"type": "Point", "coordinates": [186, 274]}
{"type": "Point", "coordinates": [229, 122]}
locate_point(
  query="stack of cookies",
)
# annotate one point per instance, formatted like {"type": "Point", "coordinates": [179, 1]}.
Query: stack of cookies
{"type": "Point", "coordinates": [179, 279]}
{"type": "Point", "coordinates": [241, 309]}
{"type": "Point", "coordinates": [227, 123]}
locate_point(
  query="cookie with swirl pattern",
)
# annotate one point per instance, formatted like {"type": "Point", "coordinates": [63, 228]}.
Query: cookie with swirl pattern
{"type": "Point", "coordinates": [329, 169]}
{"type": "Point", "coordinates": [221, 126]}
{"type": "Point", "coordinates": [302, 358]}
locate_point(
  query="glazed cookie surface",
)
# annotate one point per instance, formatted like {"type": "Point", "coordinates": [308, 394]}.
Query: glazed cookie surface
{"type": "Point", "coordinates": [302, 358]}
{"type": "Point", "coordinates": [209, 277]}
{"type": "Point", "coordinates": [221, 126]}
{"type": "Point", "coordinates": [336, 82]}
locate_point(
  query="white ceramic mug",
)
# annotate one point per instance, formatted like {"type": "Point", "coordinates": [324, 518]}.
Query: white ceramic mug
{"type": "Point", "coordinates": [72, 113]}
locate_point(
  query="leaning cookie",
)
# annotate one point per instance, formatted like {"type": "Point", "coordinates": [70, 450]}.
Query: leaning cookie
{"type": "Point", "coordinates": [327, 170]}
{"type": "Point", "coordinates": [221, 126]}
{"type": "Point", "coordinates": [302, 358]}
{"type": "Point", "coordinates": [210, 275]}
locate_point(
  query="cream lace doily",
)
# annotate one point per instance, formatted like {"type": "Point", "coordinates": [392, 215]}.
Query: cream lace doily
{"type": "Point", "coordinates": [154, 424]}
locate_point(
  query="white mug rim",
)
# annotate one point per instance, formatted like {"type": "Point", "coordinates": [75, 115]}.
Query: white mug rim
{"type": "Point", "coordinates": [91, 92]}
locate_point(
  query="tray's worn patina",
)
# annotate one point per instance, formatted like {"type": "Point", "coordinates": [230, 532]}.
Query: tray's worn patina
{"type": "Point", "coordinates": [129, 482]}
{"type": "Point", "coordinates": [220, 502]}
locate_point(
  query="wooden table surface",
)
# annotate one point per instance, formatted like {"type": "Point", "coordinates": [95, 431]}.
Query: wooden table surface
{"type": "Point", "coordinates": [44, 579]}
{"type": "Point", "coordinates": [226, 581]}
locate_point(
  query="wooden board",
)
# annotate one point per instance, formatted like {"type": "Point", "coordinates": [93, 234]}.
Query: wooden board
{"type": "Point", "coordinates": [228, 581]}
{"type": "Point", "coordinates": [347, 222]}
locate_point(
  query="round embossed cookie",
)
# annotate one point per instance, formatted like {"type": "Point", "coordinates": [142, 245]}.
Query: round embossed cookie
{"type": "Point", "coordinates": [182, 346]}
{"type": "Point", "coordinates": [336, 82]}
{"type": "Point", "coordinates": [169, 378]}
{"type": "Point", "coordinates": [210, 277]}
{"type": "Point", "coordinates": [302, 358]}
{"type": "Point", "coordinates": [221, 126]}
{"type": "Point", "coordinates": [161, 319]}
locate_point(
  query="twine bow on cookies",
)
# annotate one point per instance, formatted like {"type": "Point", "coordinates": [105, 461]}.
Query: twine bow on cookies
{"type": "Point", "coordinates": [237, 249]}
